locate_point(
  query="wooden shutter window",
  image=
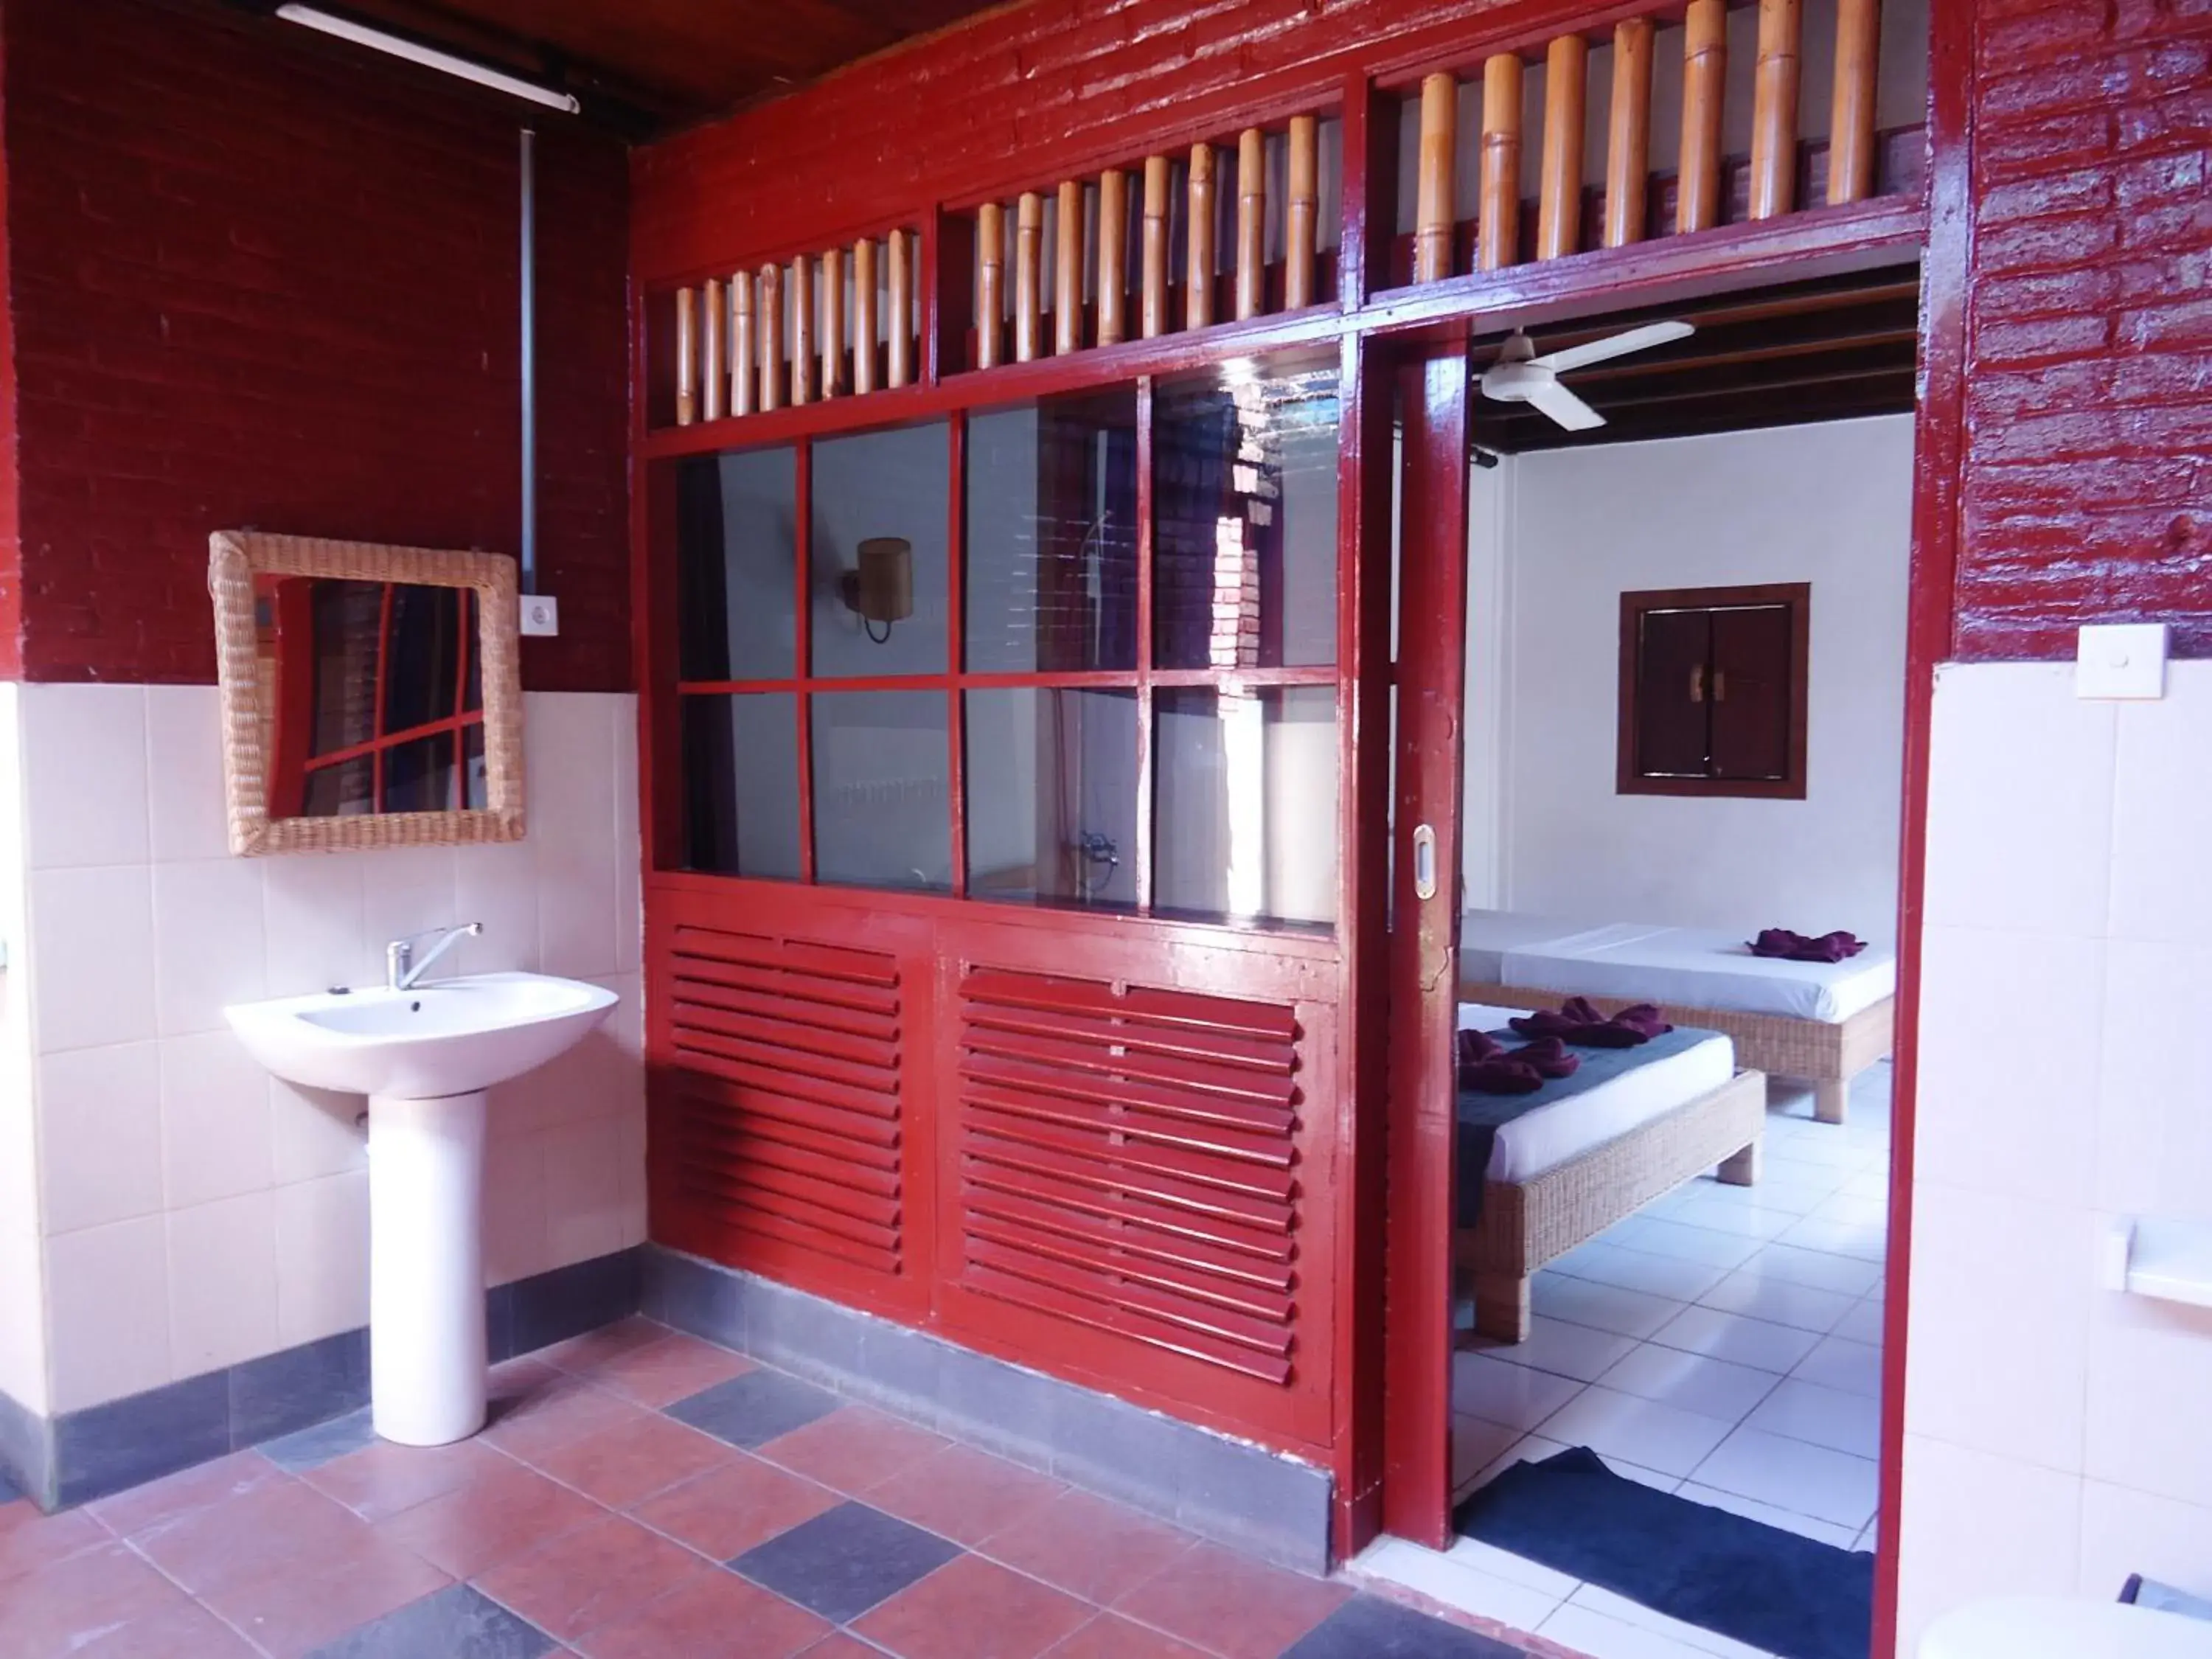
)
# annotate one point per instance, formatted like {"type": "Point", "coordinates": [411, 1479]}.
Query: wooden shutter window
{"type": "Point", "coordinates": [1713, 691]}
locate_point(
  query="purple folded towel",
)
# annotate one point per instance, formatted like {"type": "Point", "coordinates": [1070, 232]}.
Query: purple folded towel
{"type": "Point", "coordinates": [1500, 1077]}
{"type": "Point", "coordinates": [1546, 1057]}
{"type": "Point", "coordinates": [1578, 1022]}
{"type": "Point", "coordinates": [1803, 947]}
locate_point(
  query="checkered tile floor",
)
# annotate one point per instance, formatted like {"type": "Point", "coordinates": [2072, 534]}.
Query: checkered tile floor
{"type": "Point", "coordinates": [643, 1495]}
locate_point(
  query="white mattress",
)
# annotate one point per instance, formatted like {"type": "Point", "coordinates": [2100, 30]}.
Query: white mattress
{"type": "Point", "coordinates": [1550, 1135]}
{"type": "Point", "coordinates": [1688, 967]}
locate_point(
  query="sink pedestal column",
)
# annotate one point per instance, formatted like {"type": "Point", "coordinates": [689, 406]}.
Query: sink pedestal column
{"type": "Point", "coordinates": [426, 1291]}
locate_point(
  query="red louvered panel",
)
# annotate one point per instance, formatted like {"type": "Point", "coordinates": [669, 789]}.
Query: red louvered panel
{"type": "Point", "coordinates": [1128, 1163]}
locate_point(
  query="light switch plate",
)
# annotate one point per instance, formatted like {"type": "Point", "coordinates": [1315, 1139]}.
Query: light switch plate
{"type": "Point", "coordinates": [2121, 660]}
{"type": "Point", "coordinates": [541, 614]}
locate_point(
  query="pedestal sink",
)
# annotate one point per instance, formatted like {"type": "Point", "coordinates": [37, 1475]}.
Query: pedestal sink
{"type": "Point", "coordinates": [424, 1058]}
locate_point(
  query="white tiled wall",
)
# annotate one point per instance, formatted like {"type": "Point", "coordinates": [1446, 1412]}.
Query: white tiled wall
{"type": "Point", "coordinates": [23, 1328]}
{"type": "Point", "coordinates": [191, 1210]}
{"type": "Point", "coordinates": [2057, 1434]}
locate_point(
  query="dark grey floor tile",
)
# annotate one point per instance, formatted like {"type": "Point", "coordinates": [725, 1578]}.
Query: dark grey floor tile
{"type": "Point", "coordinates": [753, 1409]}
{"type": "Point", "coordinates": [456, 1623]}
{"type": "Point", "coordinates": [10, 1491]}
{"type": "Point", "coordinates": [1368, 1627]}
{"type": "Point", "coordinates": [298, 1388]}
{"type": "Point", "coordinates": [310, 1449]}
{"type": "Point", "coordinates": [108, 1449]}
{"type": "Point", "coordinates": [845, 1561]}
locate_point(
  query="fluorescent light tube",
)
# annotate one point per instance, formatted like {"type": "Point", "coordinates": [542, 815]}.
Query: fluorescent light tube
{"type": "Point", "coordinates": [429, 57]}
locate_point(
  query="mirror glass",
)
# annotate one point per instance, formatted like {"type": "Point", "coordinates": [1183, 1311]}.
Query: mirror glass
{"type": "Point", "coordinates": [372, 697]}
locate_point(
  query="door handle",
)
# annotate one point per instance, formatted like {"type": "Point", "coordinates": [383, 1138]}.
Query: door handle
{"type": "Point", "coordinates": [1425, 862]}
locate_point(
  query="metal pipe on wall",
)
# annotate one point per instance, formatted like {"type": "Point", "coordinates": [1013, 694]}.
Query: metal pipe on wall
{"type": "Point", "coordinates": [528, 307]}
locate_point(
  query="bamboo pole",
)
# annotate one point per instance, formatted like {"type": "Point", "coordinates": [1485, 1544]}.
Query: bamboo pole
{"type": "Point", "coordinates": [802, 330]}
{"type": "Point", "coordinates": [1498, 233]}
{"type": "Point", "coordinates": [771, 337]}
{"type": "Point", "coordinates": [713, 346]}
{"type": "Point", "coordinates": [1067, 271]}
{"type": "Point", "coordinates": [687, 356]}
{"type": "Point", "coordinates": [1628, 140]}
{"type": "Point", "coordinates": [1774, 109]}
{"type": "Point", "coordinates": [1301, 219]}
{"type": "Point", "coordinates": [1154, 319]}
{"type": "Point", "coordinates": [1705, 91]}
{"type": "Point", "coordinates": [1851, 134]}
{"type": "Point", "coordinates": [1029, 277]}
{"type": "Point", "coordinates": [1432, 213]}
{"type": "Point", "coordinates": [1198, 269]}
{"type": "Point", "coordinates": [864, 315]}
{"type": "Point", "coordinates": [1113, 256]}
{"type": "Point", "coordinates": [1251, 222]}
{"type": "Point", "coordinates": [833, 322]}
{"type": "Point", "coordinates": [1559, 199]}
{"type": "Point", "coordinates": [898, 365]}
{"type": "Point", "coordinates": [990, 285]}
{"type": "Point", "coordinates": [745, 346]}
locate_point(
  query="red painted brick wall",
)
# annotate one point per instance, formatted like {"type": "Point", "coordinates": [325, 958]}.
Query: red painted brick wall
{"type": "Point", "coordinates": [257, 279]}
{"type": "Point", "coordinates": [2087, 489]}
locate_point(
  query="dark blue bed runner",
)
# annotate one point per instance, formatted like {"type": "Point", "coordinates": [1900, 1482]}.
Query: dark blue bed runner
{"type": "Point", "coordinates": [1481, 1116]}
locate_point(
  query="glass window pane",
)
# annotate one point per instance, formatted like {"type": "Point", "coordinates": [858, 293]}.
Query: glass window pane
{"type": "Point", "coordinates": [418, 776]}
{"type": "Point", "coordinates": [736, 559]}
{"type": "Point", "coordinates": [741, 784]}
{"type": "Point", "coordinates": [881, 611]}
{"type": "Point", "coordinates": [1052, 796]}
{"type": "Point", "coordinates": [348, 620]}
{"type": "Point", "coordinates": [341, 789]}
{"type": "Point", "coordinates": [883, 813]}
{"type": "Point", "coordinates": [422, 660]}
{"type": "Point", "coordinates": [1052, 536]}
{"type": "Point", "coordinates": [1244, 522]}
{"type": "Point", "coordinates": [1245, 801]}
{"type": "Point", "coordinates": [475, 776]}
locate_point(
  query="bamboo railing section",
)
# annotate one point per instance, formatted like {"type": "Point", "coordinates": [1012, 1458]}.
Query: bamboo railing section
{"type": "Point", "coordinates": [1628, 134]}
{"type": "Point", "coordinates": [1774, 110]}
{"type": "Point", "coordinates": [1704, 96]}
{"type": "Point", "coordinates": [1559, 198]}
{"type": "Point", "coordinates": [1498, 227]}
{"type": "Point", "coordinates": [1851, 130]}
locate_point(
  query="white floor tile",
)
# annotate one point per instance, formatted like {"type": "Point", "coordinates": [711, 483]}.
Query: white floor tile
{"type": "Point", "coordinates": [1825, 1416]}
{"type": "Point", "coordinates": [1711, 1388]}
{"type": "Point", "coordinates": [1700, 1244]}
{"type": "Point", "coordinates": [1601, 1637]}
{"type": "Point", "coordinates": [1799, 1190]}
{"type": "Point", "coordinates": [1846, 1275]}
{"type": "Point", "coordinates": [1606, 1604]}
{"type": "Point", "coordinates": [1869, 1212]}
{"type": "Point", "coordinates": [1853, 1367]}
{"type": "Point", "coordinates": [1778, 1301]}
{"type": "Point", "coordinates": [1639, 1270]}
{"type": "Point", "coordinates": [1580, 1352]}
{"type": "Point", "coordinates": [1804, 1525]}
{"type": "Point", "coordinates": [1723, 1215]}
{"type": "Point", "coordinates": [1475, 1445]}
{"type": "Point", "coordinates": [1839, 1238]}
{"type": "Point", "coordinates": [1863, 1323]}
{"type": "Point", "coordinates": [1791, 1474]}
{"type": "Point", "coordinates": [1602, 1307]}
{"type": "Point", "coordinates": [1872, 1184]}
{"type": "Point", "coordinates": [1519, 1397]}
{"type": "Point", "coordinates": [1662, 1438]}
{"type": "Point", "coordinates": [1739, 1341]}
{"type": "Point", "coordinates": [1457, 1584]}
{"type": "Point", "coordinates": [1531, 1449]}
{"type": "Point", "coordinates": [1483, 1558]}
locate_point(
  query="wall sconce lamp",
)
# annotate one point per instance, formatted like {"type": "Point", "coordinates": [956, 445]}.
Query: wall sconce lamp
{"type": "Point", "coordinates": [882, 589]}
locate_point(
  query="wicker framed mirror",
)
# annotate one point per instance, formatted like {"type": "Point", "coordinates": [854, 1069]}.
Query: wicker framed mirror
{"type": "Point", "coordinates": [371, 695]}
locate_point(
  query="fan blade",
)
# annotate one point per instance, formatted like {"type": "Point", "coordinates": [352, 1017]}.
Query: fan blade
{"type": "Point", "coordinates": [1615, 345]}
{"type": "Point", "coordinates": [1564, 407]}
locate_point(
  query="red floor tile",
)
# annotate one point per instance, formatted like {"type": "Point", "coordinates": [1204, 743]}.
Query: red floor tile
{"type": "Point", "coordinates": [966, 1495]}
{"type": "Point", "coordinates": [554, 1412]}
{"type": "Point", "coordinates": [272, 1527]}
{"type": "Point", "coordinates": [675, 1367]}
{"type": "Point", "coordinates": [386, 1478]}
{"type": "Point", "coordinates": [296, 1607]}
{"type": "Point", "coordinates": [1089, 1546]}
{"type": "Point", "coordinates": [591, 1576]}
{"type": "Point", "coordinates": [854, 1449]}
{"type": "Point", "coordinates": [581, 1355]}
{"type": "Point", "coordinates": [504, 1512]}
{"type": "Point", "coordinates": [1231, 1604]}
{"type": "Point", "coordinates": [67, 1605]}
{"type": "Point", "coordinates": [131, 1512]}
{"type": "Point", "coordinates": [841, 1646]}
{"type": "Point", "coordinates": [971, 1608]}
{"type": "Point", "coordinates": [712, 1615]}
{"type": "Point", "coordinates": [186, 1630]}
{"type": "Point", "coordinates": [630, 1460]}
{"type": "Point", "coordinates": [30, 1541]}
{"type": "Point", "coordinates": [727, 1510]}
{"type": "Point", "coordinates": [1109, 1636]}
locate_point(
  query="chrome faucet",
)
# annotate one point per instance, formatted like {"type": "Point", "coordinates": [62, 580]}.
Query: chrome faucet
{"type": "Point", "coordinates": [401, 968]}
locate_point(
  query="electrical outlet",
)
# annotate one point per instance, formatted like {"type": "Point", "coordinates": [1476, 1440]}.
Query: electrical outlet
{"type": "Point", "coordinates": [541, 614]}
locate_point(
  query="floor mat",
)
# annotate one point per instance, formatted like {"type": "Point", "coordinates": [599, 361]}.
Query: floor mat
{"type": "Point", "coordinates": [1775, 1589]}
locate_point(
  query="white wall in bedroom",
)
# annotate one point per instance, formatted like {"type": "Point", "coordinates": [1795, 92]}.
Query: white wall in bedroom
{"type": "Point", "coordinates": [1555, 537]}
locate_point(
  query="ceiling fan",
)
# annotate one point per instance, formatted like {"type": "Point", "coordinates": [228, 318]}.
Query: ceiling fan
{"type": "Point", "coordinates": [1519, 376]}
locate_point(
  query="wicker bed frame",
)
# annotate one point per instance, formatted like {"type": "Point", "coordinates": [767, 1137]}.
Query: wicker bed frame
{"type": "Point", "coordinates": [1828, 1053]}
{"type": "Point", "coordinates": [1527, 1223]}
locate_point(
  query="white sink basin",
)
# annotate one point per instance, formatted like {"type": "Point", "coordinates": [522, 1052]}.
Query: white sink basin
{"type": "Point", "coordinates": [424, 1059]}
{"type": "Point", "coordinates": [451, 1036]}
